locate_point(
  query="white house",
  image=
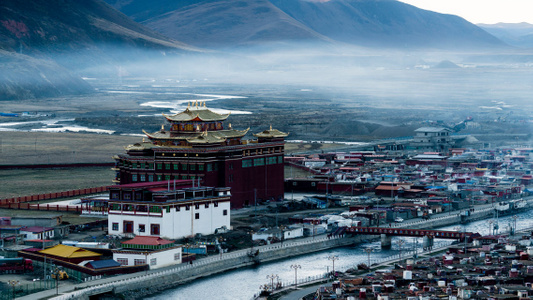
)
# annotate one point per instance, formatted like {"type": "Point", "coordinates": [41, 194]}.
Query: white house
{"type": "Point", "coordinates": [170, 213]}
{"type": "Point", "coordinates": [432, 138]}
{"type": "Point", "coordinates": [154, 251]}
{"type": "Point", "coordinates": [37, 233]}
{"type": "Point", "coordinates": [291, 232]}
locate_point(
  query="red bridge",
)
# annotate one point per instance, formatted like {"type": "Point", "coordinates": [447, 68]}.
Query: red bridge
{"type": "Point", "coordinates": [440, 234]}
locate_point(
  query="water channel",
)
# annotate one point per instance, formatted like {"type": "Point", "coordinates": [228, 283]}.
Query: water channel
{"type": "Point", "coordinates": [244, 283]}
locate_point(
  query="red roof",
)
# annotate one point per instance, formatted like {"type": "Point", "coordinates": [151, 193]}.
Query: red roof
{"type": "Point", "coordinates": [147, 240]}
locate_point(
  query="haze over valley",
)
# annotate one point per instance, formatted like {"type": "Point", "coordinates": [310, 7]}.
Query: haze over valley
{"type": "Point", "coordinates": [340, 70]}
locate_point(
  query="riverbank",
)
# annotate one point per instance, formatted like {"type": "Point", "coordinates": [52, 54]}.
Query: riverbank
{"type": "Point", "coordinates": [157, 280]}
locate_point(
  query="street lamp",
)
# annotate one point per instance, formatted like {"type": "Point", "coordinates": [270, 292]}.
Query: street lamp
{"type": "Point", "coordinates": [55, 270]}
{"type": "Point", "coordinates": [282, 228]}
{"type": "Point", "coordinates": [272, 277]}
{"type": "Point", "coordinates": [296, 267]}
{"type": "Point", "coordinates": [13, 283]}
{"type": "Point", "coordinates": [400, 244]}
{"type": "Point", "coordinates": [333, 258]}
{"type": "Point", "coordinates": [514, 219]}
{"type": "Point", "coordinates": [369, 250]}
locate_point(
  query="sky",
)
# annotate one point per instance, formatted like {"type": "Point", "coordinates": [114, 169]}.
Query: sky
{"type": "Point", "coordinates": [481, 11]}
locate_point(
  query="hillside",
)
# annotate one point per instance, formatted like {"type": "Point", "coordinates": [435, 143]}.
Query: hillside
{"type": "Point", "coordinates": [518, 35]}
{"type": "Point", "coordinates": [374, 23]}
{"type": "Point", "coordinates": [79, 36]}
{"type": "Point", "coordinates": [219, 23]}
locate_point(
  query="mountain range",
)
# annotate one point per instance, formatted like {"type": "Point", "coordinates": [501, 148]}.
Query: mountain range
{"type": "Point", "coordinates": [515, 34]}
{"type": "Point", "coordinates": [370, 23]}
{"type": "Point", "coordinates": [45, 46]}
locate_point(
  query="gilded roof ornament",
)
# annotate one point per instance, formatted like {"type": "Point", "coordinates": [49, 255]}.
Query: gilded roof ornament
{"type": "Point", "coordinates": [229, 126]}
{"type": "Point", "coordinates": [163, 128]}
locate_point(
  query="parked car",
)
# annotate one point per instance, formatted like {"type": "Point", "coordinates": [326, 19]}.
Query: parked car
{"type": "Point", "coordinates": [398, 220]}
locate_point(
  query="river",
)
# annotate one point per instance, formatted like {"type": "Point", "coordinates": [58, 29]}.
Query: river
{"type": "Point", "coordinates": [244, 283]}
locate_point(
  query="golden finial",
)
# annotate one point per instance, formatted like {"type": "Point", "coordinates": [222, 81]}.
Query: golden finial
{"type": "Point", "coordinates": [196, 103]}
{"type": "Point", "coordinates": [229, 126]}
{"type": "Point", "coordinates": [163, 128]}
{"type": "Point", "coordinates": [270, 127]}
{"type": "Point", "coordinates": [188, 104]}
{"type": "Point", "coordinates": [144, 141]}
{"type": "Point", "coordinates": [197, 127]}
{"type": "Point", "coordinates": [204, 104]}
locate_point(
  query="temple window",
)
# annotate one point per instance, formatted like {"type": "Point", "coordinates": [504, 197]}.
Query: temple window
{"type": "Point", "coordinates": [141, 227]}
{"type": "Point", "coordinates": [207, 205]}
{"type": "Point", "coordinates": [134, 177]}
{"type": "Point", "coordinates": [115, 226]}
{"type": "Point", "coordinates": [193, 167]}
{"type": "Point", "coordinates": [155, 209]}
{"type": "Point", "coordinates": [184, 167]}
{"type": "Point", "coordinates": [200, 167]}
{"type": "Point", "coordinates": [197, 216]}
{"type": "Point", "coordinates": [167, 177]}
{"type": "Point", "coordinates": [143, 177]}
{"type": "Point", "coordinates": [159, 177]}
{"type": "Point", "coordinates": [176, 166]}
{"type": "Point", "coordinates": [154, 229]}
{"type": "Point", "coordinates": [150, 178]}
{"type": "Point", "coordinates": [209, 167]}
{"type": "Point", "coordinates": [167, 166]}
{"type": "Point", "coordinates": [159, 166]}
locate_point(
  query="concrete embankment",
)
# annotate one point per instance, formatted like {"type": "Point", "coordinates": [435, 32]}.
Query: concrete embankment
{"type": "Point", "coordinates": [153, 281]}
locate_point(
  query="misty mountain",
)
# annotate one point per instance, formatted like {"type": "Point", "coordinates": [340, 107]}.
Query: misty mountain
{"type": "Point", "coordinates": [25, 77]}
{"type": "Point", "coordinates": [219, 23]}
{"type": "Point", "coordinates": [59, 36]}
{"type": "Point", "coordinates": [518, 35]}
{"type": "Point", "coordinates": [374, 23]}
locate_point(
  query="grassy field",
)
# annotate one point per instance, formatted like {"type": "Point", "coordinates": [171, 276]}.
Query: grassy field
{"type": "Point", "coordinates": [58, 148]}
{"type": "Point", "coordinates": [25, 182]}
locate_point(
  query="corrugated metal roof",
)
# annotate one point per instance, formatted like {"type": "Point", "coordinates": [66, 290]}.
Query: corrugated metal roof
{"type": "Point", "coordinates": [36, 229]}
{"type": "Point", "coordinates": [106, 263]}
{"type": "Point", "coordinates": [68, 252]}
{"type": "Point", "coordinates": [147, 240]}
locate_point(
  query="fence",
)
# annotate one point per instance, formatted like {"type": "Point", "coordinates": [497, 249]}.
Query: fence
{"type": "Point", "coordinates": [26, 289]}
{"type": "Point", "coordinates": [16, 201]}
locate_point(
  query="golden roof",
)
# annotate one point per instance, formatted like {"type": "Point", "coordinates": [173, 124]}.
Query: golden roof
{"type": "Point", "coordinates": [271, 133]}
{"type": "Point", "coordinates": [219, 134]}
{"type": "Point", "coordinates": [197, 112]}
{"type": "Point", "coordinates": [68, 251]}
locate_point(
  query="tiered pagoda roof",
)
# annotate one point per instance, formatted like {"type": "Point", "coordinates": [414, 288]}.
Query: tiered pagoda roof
{"type": "Point", "coordinates": [197, 113]}
{"type": "Point", "coordinates": [271, 133]}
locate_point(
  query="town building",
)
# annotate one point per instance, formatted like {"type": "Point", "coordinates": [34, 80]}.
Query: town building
{"type": "Point", "coordinates": [155, 251]}
{"type": "Point", "coordinates": [197, 145]}
{"type": "Point", "coordinates": [432, 138]}
{"type": "Point", "coordinates": [172, 210]}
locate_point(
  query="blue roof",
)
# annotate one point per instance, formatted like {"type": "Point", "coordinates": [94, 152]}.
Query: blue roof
{"type": "Point", "coordinates": [106, 263]}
